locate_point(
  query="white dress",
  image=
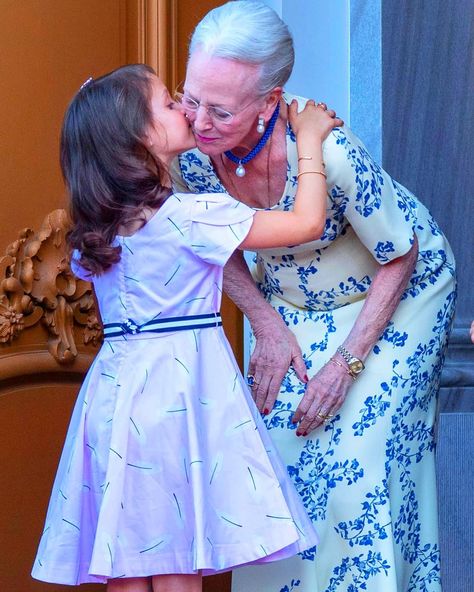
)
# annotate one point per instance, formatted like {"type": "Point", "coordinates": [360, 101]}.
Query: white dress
{"type": "Point", "coordinates": [167, 466]}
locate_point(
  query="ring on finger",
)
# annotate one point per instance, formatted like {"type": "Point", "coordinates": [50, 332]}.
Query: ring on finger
{"type": "Point", "coordinates": [324, 416]}
{"type": "Point", "coordinates": [252, 381]}
{"type": "Point", "coordinates": [323, 105]}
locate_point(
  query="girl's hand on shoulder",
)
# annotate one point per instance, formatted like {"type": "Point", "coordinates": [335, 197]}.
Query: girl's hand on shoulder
{"type": "Point", "coordinates": [314, 119]}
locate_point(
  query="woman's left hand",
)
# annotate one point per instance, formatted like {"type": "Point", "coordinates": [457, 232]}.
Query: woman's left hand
{"type": "Point", "coordinates": [325, 394]}
{"type": "Point", "coordinates": [327, 390]}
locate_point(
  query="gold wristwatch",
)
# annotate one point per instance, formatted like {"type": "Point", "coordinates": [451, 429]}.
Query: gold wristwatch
{"type": "Point", "coordinates": [355, 364]}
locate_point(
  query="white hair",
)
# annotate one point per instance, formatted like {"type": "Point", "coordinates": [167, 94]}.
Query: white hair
{"type": "Point", "coordinates": [251, 32]}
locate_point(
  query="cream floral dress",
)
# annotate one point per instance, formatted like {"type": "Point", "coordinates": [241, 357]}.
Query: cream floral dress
{"type": "Point", "coordinates": [367, 479]}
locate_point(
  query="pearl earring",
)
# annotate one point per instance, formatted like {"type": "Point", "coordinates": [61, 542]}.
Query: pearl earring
{"type": "Point", "coordinates": [261, 126]}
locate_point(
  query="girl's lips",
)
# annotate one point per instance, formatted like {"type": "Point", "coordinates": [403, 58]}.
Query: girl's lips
{"type": "Point", "coordinates": [204, 140]}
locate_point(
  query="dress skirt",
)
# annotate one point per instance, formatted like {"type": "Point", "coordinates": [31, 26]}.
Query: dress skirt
{"type": "Point", "coordinates": [167, 468]}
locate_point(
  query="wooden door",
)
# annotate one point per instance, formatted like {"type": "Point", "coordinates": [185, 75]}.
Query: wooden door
{"type": "Point", "coordinates": [48, 330]}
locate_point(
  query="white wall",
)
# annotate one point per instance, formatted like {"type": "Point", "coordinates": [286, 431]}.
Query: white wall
{"type": "Point", "coordinates": [320, 30]}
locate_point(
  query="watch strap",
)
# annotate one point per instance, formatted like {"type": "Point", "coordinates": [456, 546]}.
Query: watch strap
{"type": "Point", "coordinates": [344, 353]}
{"type": "Point", "coordinates": [355, 364]}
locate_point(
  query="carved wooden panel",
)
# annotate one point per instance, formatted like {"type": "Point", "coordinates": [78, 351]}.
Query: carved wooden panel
{"type": "Point", "coordinates": [37, 285]}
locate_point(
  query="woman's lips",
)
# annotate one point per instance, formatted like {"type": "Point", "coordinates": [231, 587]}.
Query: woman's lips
{"type": "Point", "coordinates": [203, 139]}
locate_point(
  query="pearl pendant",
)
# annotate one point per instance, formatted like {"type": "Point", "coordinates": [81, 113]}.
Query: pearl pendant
{"type": "Point", "coordinates": [240, 171]}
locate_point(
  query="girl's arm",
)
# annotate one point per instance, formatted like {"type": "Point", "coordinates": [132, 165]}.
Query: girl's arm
{"type": "Point", "coordinates": [306, 222]}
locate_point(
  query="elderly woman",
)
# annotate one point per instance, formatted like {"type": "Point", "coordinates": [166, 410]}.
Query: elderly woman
{"type": "Point", "coordinates": [350, 330]}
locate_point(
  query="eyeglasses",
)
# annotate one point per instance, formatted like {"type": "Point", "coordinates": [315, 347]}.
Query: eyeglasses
{"type": "Point", "coordinates": [215, 113]}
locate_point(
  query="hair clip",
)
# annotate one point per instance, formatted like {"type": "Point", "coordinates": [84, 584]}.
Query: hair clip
{"type": "Point", "coordinates": [84, 84]}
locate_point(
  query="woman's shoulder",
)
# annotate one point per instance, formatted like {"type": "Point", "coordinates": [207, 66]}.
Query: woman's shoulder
{"type": "Point", "coordinates": [194, 170]}
{"type": "Point", "coordinates": [345, 155]}
{"type": "Point", "coordinates": [339, 141]}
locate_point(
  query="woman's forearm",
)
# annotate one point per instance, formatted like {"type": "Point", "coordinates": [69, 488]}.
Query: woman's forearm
{"type": "Point", "coordinates": [241, 289]}
{"type": "Point", "coordinates": [381, 303]}
{"type": "Point", "coordinates": [276, 347]}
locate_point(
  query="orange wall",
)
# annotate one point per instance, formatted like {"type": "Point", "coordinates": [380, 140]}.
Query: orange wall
{"type": "Point", "coordinates": [47, 48]}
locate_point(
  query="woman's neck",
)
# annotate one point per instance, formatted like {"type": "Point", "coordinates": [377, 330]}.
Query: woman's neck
{"type": "Point", "coordinates": [253, 137]}
{"type": "Point", "coordinates": [247, 144]}
{"type": "Point", "coordinates": [264, 182]}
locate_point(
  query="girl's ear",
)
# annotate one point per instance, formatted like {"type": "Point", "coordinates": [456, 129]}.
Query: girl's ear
{"type": "Point", "coordinates": [148, 141]}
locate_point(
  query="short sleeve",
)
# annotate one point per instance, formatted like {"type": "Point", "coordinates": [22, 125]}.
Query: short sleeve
{"type": "Point", "coordinates": [381, 211]}
{"type": "Point", "coordinates": [219, 224]}
{"type": "Point", "coordinates": [77, 268]}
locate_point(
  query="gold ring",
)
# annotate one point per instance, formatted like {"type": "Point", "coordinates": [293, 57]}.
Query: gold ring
{"type": "Point", "coordinates": [324, 417]}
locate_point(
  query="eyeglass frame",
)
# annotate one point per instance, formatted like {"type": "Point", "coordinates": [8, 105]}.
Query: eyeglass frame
{"type": "Point", "coordinates": [179, 96]}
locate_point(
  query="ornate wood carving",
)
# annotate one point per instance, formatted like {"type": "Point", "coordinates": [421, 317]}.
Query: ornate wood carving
{"type": "Point", "coordinates": [37, 285]}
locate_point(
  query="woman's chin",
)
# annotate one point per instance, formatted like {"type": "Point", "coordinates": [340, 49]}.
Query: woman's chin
{"type": "Point", "coordinates": [209, 148]}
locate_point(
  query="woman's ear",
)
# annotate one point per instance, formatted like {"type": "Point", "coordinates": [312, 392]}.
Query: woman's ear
{"type": "Point", "coordinates": [271, 102]}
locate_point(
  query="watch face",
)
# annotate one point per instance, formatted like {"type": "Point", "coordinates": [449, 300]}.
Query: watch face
{"type": "Point", "coordinates": [356, 366]}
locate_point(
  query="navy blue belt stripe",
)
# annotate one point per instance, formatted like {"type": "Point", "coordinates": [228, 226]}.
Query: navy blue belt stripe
{"type": "Point", "coordinates": [129, 327]}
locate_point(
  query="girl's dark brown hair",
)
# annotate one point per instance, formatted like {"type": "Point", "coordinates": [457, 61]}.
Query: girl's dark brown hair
{"type": "Point", "coordinates": [109, 171]}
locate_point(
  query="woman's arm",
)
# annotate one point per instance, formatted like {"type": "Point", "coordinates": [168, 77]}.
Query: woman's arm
{"type": "Point", "coordinates": [276, 348]}
{"type": "Point", "coordinates": [327, 390]}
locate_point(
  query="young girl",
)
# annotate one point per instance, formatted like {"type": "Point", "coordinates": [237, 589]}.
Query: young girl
{"type": "Point", "coordinates": [167, 472]}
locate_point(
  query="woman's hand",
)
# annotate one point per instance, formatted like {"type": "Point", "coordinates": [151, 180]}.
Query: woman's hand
{"type": "Point", "coordinates": [313, 119]}
{"type": "Point", "coordinates": [327, 390]}
{"type": "Point", "coordinates": [325, 394]}
{"type": "Point", "coordinates": [276, 349]}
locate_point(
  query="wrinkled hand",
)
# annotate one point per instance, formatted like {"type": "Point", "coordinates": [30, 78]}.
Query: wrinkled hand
{"type": "Point", "coordinates": [325, 393]}
{"type": "Point", "coordinates": [276, 349]}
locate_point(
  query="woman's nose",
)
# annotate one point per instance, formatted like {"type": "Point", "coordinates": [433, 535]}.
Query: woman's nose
{"type": "Point", "coordinates": [201, 119]}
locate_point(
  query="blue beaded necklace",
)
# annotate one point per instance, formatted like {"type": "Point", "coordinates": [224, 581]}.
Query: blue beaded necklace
{"type": "Point", "coordinates": [240, 170]}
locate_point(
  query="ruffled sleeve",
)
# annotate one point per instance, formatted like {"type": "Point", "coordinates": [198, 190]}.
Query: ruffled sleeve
{"type": "Point", "coordinates": [381, 211]}
{"type": "Point", "coordinates": [77, 268]}
{"type": "Point", "coordinates": [219, 224]}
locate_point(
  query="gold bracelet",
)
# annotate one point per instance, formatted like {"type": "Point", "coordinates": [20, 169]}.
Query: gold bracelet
{"type": "Point", "coordinates": [310, 158]}
{"type": "Point", "coordinates": [343, 367]}
{"type": "Point", "coordinates": [313, 172]}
